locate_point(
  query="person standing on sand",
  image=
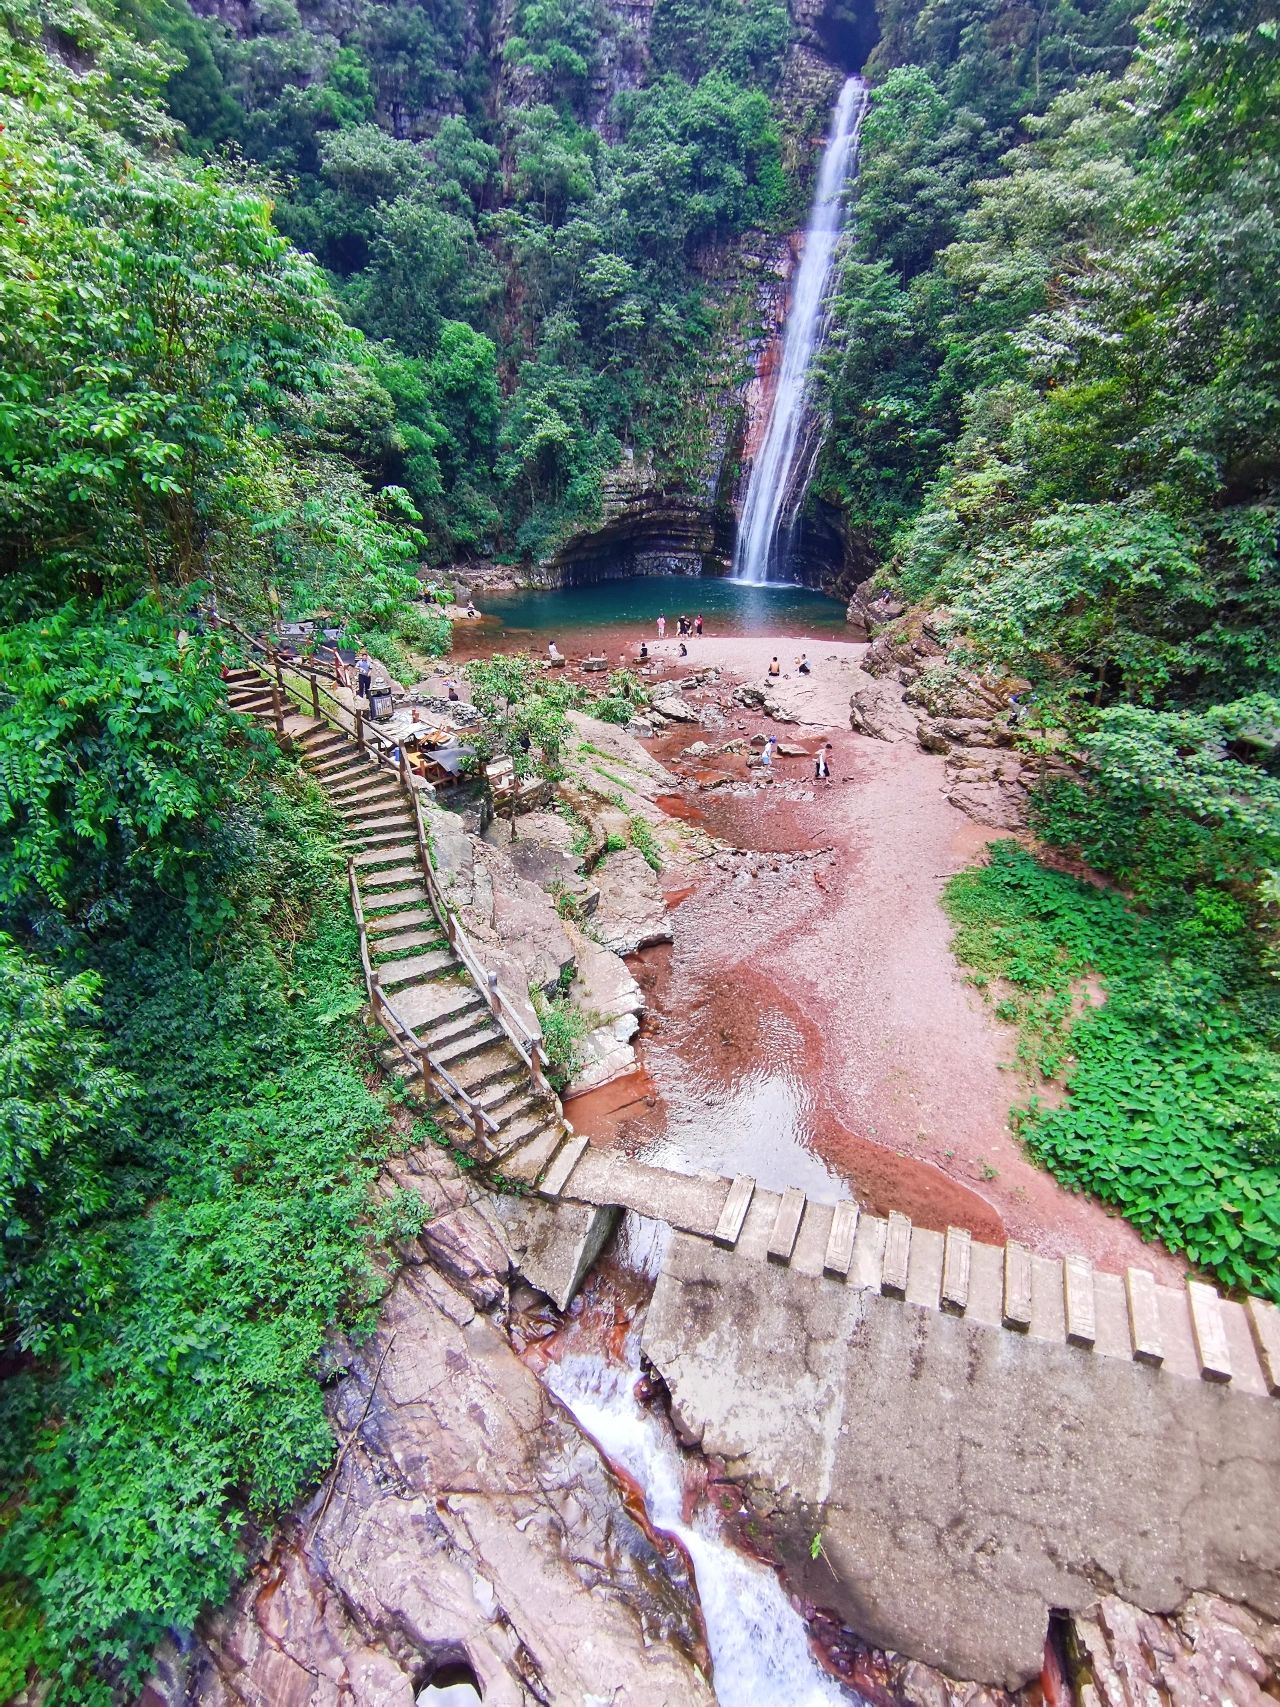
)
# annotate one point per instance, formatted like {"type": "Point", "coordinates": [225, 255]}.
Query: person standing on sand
{"type": "Point", "coordinates": [822, 764]}
{"type": "Point", "coordinates": [697, 625]}
{"type": "Point", "coordinates": [662, 628]}
{"type": "Point", "coordinates": [766, 758]}
{"type": "Point", "coordinates": [364, 674]}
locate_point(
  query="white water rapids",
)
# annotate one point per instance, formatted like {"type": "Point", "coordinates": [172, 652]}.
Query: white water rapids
{"type": "Point", "coordinates": [759, 1643]}
{"type": "Point", "coordinates": [773, 474]}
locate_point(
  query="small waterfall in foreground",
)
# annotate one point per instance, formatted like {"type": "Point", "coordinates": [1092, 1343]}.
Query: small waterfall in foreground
{"type": "Point", "coordinates": [759, 1643]}
{"type": "Point", "coordinates": [756, 554]}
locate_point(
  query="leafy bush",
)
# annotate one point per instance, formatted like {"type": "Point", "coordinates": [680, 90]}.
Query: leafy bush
{"type": "Point", "coordinates": [179, 1303]}
{"type": "Point", "coordinates": [564, 1025]}
{"type": "Point", "coordinates": [1173, 1082]}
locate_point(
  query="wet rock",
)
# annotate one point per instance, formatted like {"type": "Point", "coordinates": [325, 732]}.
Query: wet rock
{"type": "Point", "coordinates": [469, 1523]}
{"type": "Point", "coordinates": [554, 1244]}
{"type": "Point", "coordinates": [750, 697]}
{"type": "Point", "coordinates": [698, 750]}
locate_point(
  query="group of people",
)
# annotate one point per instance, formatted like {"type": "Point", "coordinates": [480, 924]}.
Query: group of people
{"type": "Point", "coordinates": [821, 759]}
{"type": "Point", "coordinates": [775, 668]}
{"type": "Point", "coordinates": [684, 626]}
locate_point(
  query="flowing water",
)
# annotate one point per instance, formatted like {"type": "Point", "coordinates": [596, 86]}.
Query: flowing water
{"type": "Point", "coordinates": [759, 1643]}
{"type": "Point", "coordinates": [757, 555]}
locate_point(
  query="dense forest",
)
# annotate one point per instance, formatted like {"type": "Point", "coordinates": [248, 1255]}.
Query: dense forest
{"type": "Point", "coordinates": [290, 312]}
{"type": "Point", "coordinates": [1054, 395]}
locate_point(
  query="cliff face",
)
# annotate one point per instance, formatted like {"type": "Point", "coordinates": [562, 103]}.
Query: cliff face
{"type": "Point", "coordinates": [649, 526]}
{"type": "Point", "coordinates": [673, 508]}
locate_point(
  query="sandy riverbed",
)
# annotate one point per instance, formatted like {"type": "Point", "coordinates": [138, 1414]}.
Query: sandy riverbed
{"type": "Point", "coordinates": [894, 1070]}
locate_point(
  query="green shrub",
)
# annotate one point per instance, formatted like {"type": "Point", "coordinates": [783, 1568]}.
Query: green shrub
{"type": "Point", "coordinates": [1173, 1081]}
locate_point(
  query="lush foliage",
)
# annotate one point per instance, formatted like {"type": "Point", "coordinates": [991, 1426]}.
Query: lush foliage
{"type": "Point", "coordinates": [526, 707]}
{"type": "Point", "coordinates": [1173, 1072]}
{"type": "Point", "coordinates": [532, 287]}
{"type": "Point", "coordinates": [187, 1133]}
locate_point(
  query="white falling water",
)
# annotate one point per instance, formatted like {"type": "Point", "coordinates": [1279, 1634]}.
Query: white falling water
{"type": "Point", "coordinates": [755, 554]}
{"type": "Point", "coordinates": [758, 1641]}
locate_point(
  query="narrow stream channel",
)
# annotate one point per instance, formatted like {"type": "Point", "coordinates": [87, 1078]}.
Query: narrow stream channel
{"type": "Point", "coordinates": [759, 1643]}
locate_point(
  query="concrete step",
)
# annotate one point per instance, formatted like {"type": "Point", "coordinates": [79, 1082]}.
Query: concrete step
{"type": "Point", "coordinates": [425, 1005]}
{"type": "Point", "coordinates": [375, 807]}
{"type": "Point", "coordinates": [461, 1047]}
{"type": "Point", "coordinates": [245, 673]}
{"type": "Point", "coordinates": [505, 1102]}
{"type": "Point", "coordinates": [395, 900]}
{"type": "Point", "coordinates": [413, 918]}
{"type": "Point", "coordinates": [322, 743]}
{"type": "Point", "coordinates": [382, 825]}
{"type": "Point", "coordinates": [350, 759]}
{"type": "Point", "coordinates": [401, 853]}
{"type": "Point", "coordinates": [250, 695]}
{"type": "Point", "coordinates": [379, 843]}
{"type": "Point", "coordinates": [362, 788]}
{"type": "Point", "coordinates": [392, 974]}
{"type": "Point", "coordinates": [372, 879]}
{"type": "Point", "coordinates": [529, 1156]}
{"type": "Point", "coordinates": [488, 1069]}
{"type": "Point", "coordinates": [387, 948]}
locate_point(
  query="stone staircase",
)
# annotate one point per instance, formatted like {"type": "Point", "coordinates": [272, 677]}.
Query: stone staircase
{"type": "Point", "coordinates": [420, 975]}
{"type": "Point", "coordinates": [1191, 1331]}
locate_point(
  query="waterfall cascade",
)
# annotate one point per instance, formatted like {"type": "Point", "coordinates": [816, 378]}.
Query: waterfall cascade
{"type": "Point", "coordinates": [759, 552]}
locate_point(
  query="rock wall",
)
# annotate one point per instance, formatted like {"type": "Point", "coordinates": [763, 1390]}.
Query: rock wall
{"type": "Point", "coordinates": [468, 1526]}
{"type": "Point", "coordinates": [964, 1481]}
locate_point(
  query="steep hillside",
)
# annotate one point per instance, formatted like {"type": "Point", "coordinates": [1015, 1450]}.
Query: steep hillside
{"type": "Point", "coordinates": [563, 227]}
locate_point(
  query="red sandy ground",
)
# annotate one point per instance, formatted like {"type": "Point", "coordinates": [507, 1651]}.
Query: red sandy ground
{"type": "Point", "coordinates": [904, 1064]}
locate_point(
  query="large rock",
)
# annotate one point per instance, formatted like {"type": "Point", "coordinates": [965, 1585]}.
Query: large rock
{"type": "Point", "coordinates": [632, 912]}
{"type": "Point", "coordinates": [676, 709]}
{"type": "Point", "coordinates": [469, 1522]}
{"type": "Point", "coordinates": [990, 786]}
{"type": "Point", "coordinates": [1211, 1651]}
{"type": "Point", "coordinates": [607, 993]}
{"type": "Point", "coordinates": [964, 1480]}
{"type": "Point", "coordinates": [554, 1244]}
{"type": "Point", "coordinates": [876, 709]}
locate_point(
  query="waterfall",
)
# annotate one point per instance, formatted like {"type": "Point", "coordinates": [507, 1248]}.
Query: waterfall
{"type": "Point", "coordinates": [756, 555]}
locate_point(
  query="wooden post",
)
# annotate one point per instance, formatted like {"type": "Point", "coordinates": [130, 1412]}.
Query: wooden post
{"type": "Point", "coordinates": [425, 1065]}
{"type": "Point", "coordinates": [315, 696]}
{"type": "Point", "coordinates": [450, 928]}
{"type": "Point", "coordinates": [477, 1122]}
{"type": "Point", "coordinates": [277, 709]}
{"type": "Point", "coordinates": [536, 1067]}
{"type": "Point", "coordinates": [491, 983]}
{"type": "Point", "coordinates": [359, 730]}
{"type": "Point", "coordinates": [404, 769]}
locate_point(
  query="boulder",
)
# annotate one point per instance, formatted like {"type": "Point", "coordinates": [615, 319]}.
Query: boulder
{"type": "Point", "coordinates": [674, 709]}
{"type": "Point", "coordinates": [750, 697]}
{"type": "Point", "coordinates": [876, 709]}
{"type": "Point", "coordinates": [470, 1523]}
{"type": "Point", "coordinates": [632, 912]}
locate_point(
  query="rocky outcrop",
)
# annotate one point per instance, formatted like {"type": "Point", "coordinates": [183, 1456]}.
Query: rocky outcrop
{"type": "Point", "coordinates": [1210, 1651]}
{"type": "Point", "coordinates": [468, 1529]}
{"type": "Point", "coordinates": [911, 690]}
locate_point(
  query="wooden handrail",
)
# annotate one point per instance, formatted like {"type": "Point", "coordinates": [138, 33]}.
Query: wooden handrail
{"type": "Point", "coordinates": [528, 1045]}
{"type": "Point", "coordinates": [415, 1052]}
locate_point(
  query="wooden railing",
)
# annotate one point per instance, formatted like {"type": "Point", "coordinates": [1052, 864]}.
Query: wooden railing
{"type": "Point", "coordinates": [293, 677]}
{"type": "Point", "coordinates": [415, 1053]}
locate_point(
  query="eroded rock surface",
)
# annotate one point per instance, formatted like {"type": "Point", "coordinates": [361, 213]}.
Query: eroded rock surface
{"type": "Point", "coordinates": [468, 1520]}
